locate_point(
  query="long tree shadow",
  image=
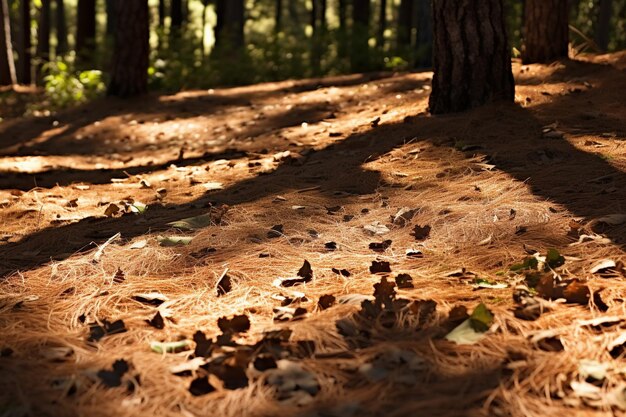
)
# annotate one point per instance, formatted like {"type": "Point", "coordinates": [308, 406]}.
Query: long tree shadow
{"type": "Point", "coordinates": [508, 134]}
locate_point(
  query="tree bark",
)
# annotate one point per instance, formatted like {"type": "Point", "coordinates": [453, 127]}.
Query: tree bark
{"type": "Point", "coordinates": [382, 24]}
{"type": "Point", "coordinates": [229, 37]}
{"type": "Point", "coordinates": [85, 31]}
{"type": "Point", "coordinates": [176, 14]}
{"type": "Point", "coordinates": [161, 8]}
{"type": "Point", "coordinates": [110, 18]}
{"type": "Point", "coordinates": [546, 30]}
{"type": "Point", "coordinates": [405, 24]}
{"type": "Point", "coordinates": [472, 64]}
{"type": "Point", "coordinates": [24, 44]}
{"type": "Point", "coordinates": [7, 62]}
{"type": "Point", "coordinates": [359, 51]}
{"type": "Point", "coordinates": [43, 36]}
{"type": "Point", "coordinates": [603, 24]}
{"type": "Point", "coordinates": [342, 12]}
{"type": "Point", "coordinates": [278, 16]}
{"type": "Point", "coordinates": [61, 29]}
{"type": "Point", "coordinates": [131, 49]}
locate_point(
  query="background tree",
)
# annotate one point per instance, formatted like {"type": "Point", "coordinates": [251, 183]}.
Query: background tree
{"type": "Point", "coordinates": [24, 44]}
{"type": "Point", "coordinates": [472, 64]}
{"type": "Point", "coordinates": [603, 24]}
{"type": "Point", "coordinates": [424, 40]}
{"type": "Point", "coordinates": [229, 36]}
{"type": "Point", "coordinates": [405, 25]}
{"type": "Point", "coordinates": [7, 63]}
{"type": "Point", "coordinates": [61, 28]}
{"type": "Point", "coordinates": [131, 49]}
{"type": "Point", "coordinates": [382, 24]}
{"type": "Point", "coordinates": [43, 35]}
{"type": "Point", "coordinates": [85, 31]}
{"type": "Point", "coordinates": [546, 31]}
{"type": "Point", "coordinates": [359, 48]}
{"type": "Point", "coordinates": [176, 15]}
{"type": "Point", "coordinates": [278, 16]}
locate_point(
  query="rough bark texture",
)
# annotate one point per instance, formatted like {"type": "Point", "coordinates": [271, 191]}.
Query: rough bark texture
{"type": "Point", "coordinates": [61, 28]}
{"type": "Point", "coordinates": [359, 51]}
{"type": "Point", "coordinates": [603, 24]}
{"type": "Point", "coordinates": [23, 44]}
{"type": "Point", "coordinates": [85, 30]}
{"type": "Point", "coordinates": [229, 36]}
{"type": "Point", "coordinates": [7, 64]}
{"type": "Point", "coordinates": [472, 64]}
{"type": "Point", "coordinates": [129, 73]}
{"type": "Point", "coordinates": [545, 30]}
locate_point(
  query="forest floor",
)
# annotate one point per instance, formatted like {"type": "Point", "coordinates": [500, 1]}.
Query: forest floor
{"type": "Point", "coordinates": [306, 248]}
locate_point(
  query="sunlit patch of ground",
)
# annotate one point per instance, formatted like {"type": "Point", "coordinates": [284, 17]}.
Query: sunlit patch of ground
{"type": "Point", "coordinates": [317, 170]}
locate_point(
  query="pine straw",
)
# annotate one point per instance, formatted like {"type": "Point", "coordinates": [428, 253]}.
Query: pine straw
{"type": "Point", "coordinates": [469, 207]}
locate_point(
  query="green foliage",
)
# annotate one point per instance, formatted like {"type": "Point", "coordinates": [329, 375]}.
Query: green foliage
{"type": "Point", "coordinates": [65, 87]}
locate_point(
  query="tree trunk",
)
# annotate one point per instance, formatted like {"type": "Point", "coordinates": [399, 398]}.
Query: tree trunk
{"type": "Point", "coordinates": [205, 6]}
{"type": "Point", "coordinates": [545, 31]}
{"type": "Point", "coordinates": [85, 31]}
{"type": "Point", "coordinates": [359, 51]}
{"type": "Point", "coordinates": [131, 49]}
{"type": "Point", "coordinates": [382, 24]}
{"type": "Point", "coordinates": [61, 29]}
{"type": "Point", "coordinates": [318, 25]}
{"type": "Point", "coordinates": [161, 8]}
{"type": "Point", "coordinates": [603, 24]}
{"type": "Point", "coordinates": [110, 18]}
{"type": "Point", "coordinates": [176, 14]}
{"type": "Point", "coordinates": [43, 36]}
{"type": "Point", "coordinates": [278, 16]}
{"type": "Point", "coordinates": [342, 48]}
{"type": "Point", "coordinates": [229, 39]}
{"type": "Point", "coordinates": [7, 62]}
{"type": "Point", "coordinates": [424, 41]}
{"type": "Point", "coordinates": [472, 64]}
{"type": "Point", "coordinates": [24, 44]}
{"type": "Point", "coordinates": [405, 24]}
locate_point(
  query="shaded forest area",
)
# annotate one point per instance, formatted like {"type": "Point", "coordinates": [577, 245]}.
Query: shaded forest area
{"type": "Point", "coordinates": [312, 208]}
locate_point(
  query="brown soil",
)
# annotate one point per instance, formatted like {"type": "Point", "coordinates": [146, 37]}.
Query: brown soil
{"type": "Point", "coordinates": [325, 159]}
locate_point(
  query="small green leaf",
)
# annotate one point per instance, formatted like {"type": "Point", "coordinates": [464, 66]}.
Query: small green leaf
{"type": "Point", "coordinates": [169, 347]}
{"type": "Point", "coordinates": [139, 208]}
{"type": "Point", "coordinates": [168, 241]}
{"type": "Point", "coordinates": [193, 223]}
{"type": "Point", "coordinates": [554, 258]}
{"type": "Point", "coordinates": [481, 318]}
{"type": "Point", "coordinates": [529, 263]}
{"type": "Point", "coordinates": [483, 283]}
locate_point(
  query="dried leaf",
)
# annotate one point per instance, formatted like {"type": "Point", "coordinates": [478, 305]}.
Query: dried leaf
{"type": "Point", "coordinates": [157, 321]}
{"type": "Point", "coordinates": [170, 241]}
{"type": "Point", "coordinates": [193, 223]}
{"type": "Point", "coordinates": [380, 267]}
{"type": "Point", "coordinates": [376, 228]}
{"type": "Point", "coordinates": [238, 324]}
{"type": "Point", "coordinates": [111, 210]}
{"type": "Point", "coordinates": [224, 284]}
{"type": "Point", "coordinates": [404, 281]}
{"type": "Point", "coordinates": [201, 386]}
{"type": "Point", "coordinates": [380, 246]}
{"type": "Point", "coordinates": [97, 331]}
{"type": "Point", "coordinates": [276, 231]}
{"type": "Point", "coordinates": [326, 301]}
{"type": "Point", "coordinates": [421, 232]}
{"type": "Point", "coordinates": [113, 378]}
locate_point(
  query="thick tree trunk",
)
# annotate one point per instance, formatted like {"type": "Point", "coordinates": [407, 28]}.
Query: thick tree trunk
{"type": "Point", "coordinates": [43, 36]}
{"type": "Point", "coordinates": [405, 24]}
{"type": "Point", "coordinates": [7, 63]}
{"type": "Point", "coordinates": [24, 44]}
{"type": "Point", "coordinates": [472, 64]}
{"type": "Point", "coordinates": [61, 28]}
{"type": "Point", "coordinates": [85, 31]}
{"type": "Point", "coordinates": [129, 73]}
{"type": "Point", "coordinates": [382, 24]}
{"type": "Point", "coordinates": [359, 51]}
{"type": "Point", "coordinates": [545, 31]}
{"type": "Point", "coordinates": [229, 38]}
{"type": "Point", "coordinates": [424, 41]}
{"type": "Point", "coordinates": [603, 24]}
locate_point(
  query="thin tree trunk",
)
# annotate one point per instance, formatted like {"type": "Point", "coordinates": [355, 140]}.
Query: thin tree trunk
{"type": "Point", "coordinates": [161, 14]}
{"type": "Point", "coordinates": [24, 44]}
{"type": "Point", "coordinates": [61, 29]}
{"type": "Point", "coordinates": [342, 48]}
{"type": "Point", "coordinates": [131, 50]}
{"type": "Point", "coordinates": [278, 16]}
{"type": "Point", "coordinates": [359, 57]}
{"type": "Point", "coordinates": [382, 24]}
{"type": "Point", "coordinates": [546, 31]}
{"type": "Point", "coordinates": [7, 62]}
{"type": "Point", "coordinates": [176, 15]}
{"type": "Point", "coordinates": [43, 36]}
{"type": "Point", "coordinates": [472, 64]}
{"type": "Point", "coordinates": [405, 24]}
{"type": "Point", "coordinates": [86, 31]}
{"type": "Point", "coordinates": [424, 41]}
{"type": "Point", "coordinates": [205, 6]}
{"type": "Point", "coordinates": [603, 24]}
{"type": "Point", "coordinates": [229, 37]}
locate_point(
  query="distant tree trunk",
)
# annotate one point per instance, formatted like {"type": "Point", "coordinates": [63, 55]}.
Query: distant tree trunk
{"type": "Point", "coordinates": [229, 37]}
{"type": "Point", "coordinates": [23, 44]}
{"type": "Point", "coordinates": [43, 36]}
{"type": "Point", "coordinates": [205, 6]}
{"type": "Point", "coordinates": [278, 16]}
{"type": "Point", "coordinates": [61, 29]}
{"type": "Point", "coordinates": [382, 24]}
{"type": "Point", "coordinates": [603, 24]}
{"type": "Point", "coordinates": [131, 49]}
{"type": "Point", "coordinates": [85, 31]}
{"type": "Point", "coordinates": [546, 31]}
{"type": "Point", "coordinates": [472, 64]}
{"type": "Point", "coordinates": [161, 14]}
{"type": "Point", "coordinates": [405, 24]}
{"type": "Point", "coordinates": [424, 41]}
{"type": "Point", "coordinates": [7, 62]}
{"type": "Point", "coordinates": [176, 15]}
{"type": "Point", "coordinates": [359, 57]}
{"type": "Point", "coordinates": [342, 49]}
{"type": "Point", "coordinates": [318, 25]}
{"type": "Point", "coordinates": [110, 18]}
